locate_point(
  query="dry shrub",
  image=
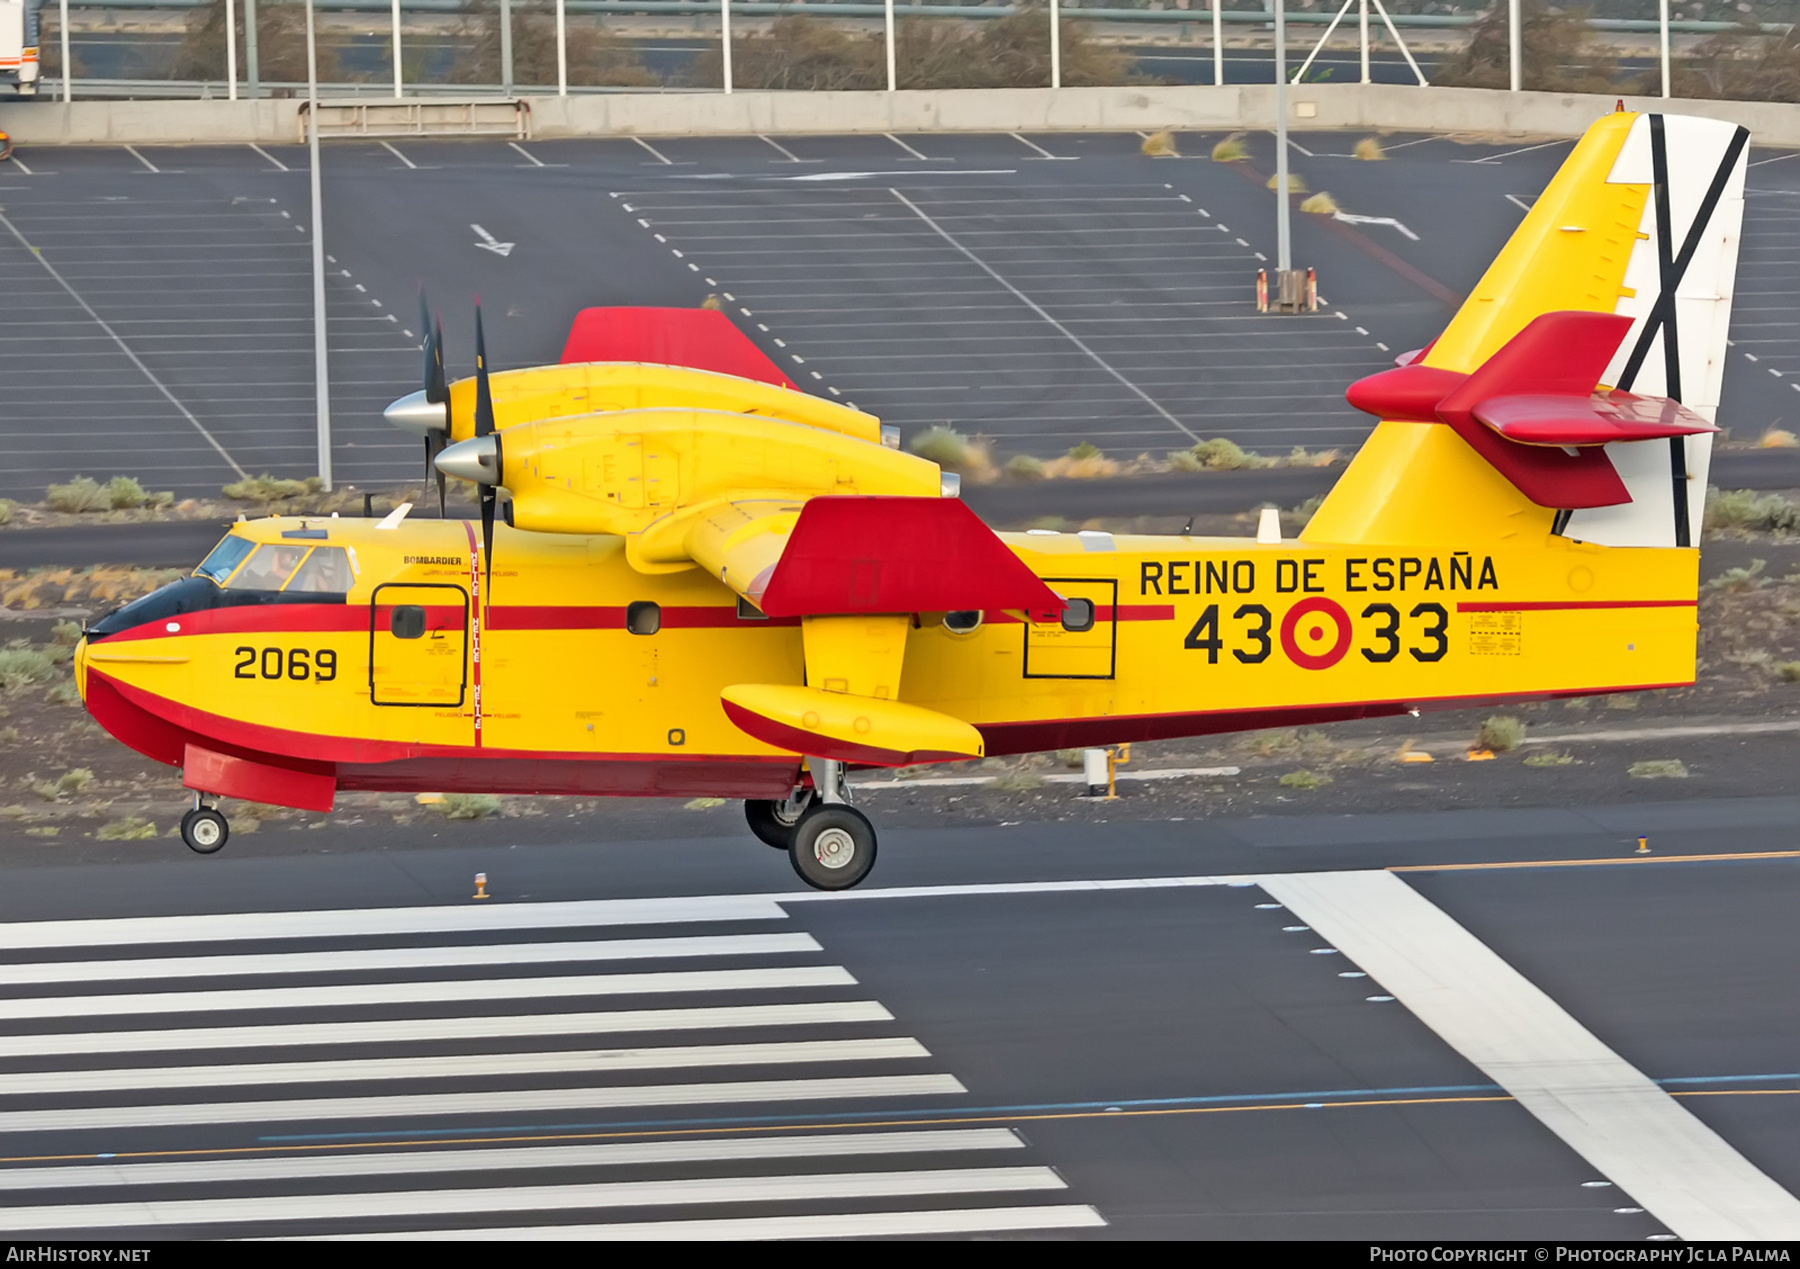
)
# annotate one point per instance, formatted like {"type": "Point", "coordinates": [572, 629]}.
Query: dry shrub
{"type": "Point", "coordinates": [1161, 145]}
{"type": "Point", "coordinates": [953, 451]}
{"type": "Point", "coordinates": [1231, 149]}
{"type": "Point", "coordinates": [1369, 148]}
{"type": "Point", "coordinates": [597, 57]}
{"type": "Point", "coordinates": [1501, 733]}
{"type": "Point", "coordinates": [1777, 438]}
{"type": "Point", "coordinates": [1737, 67]}
{"type": "Point", "coordinates": [1556, 56]}
{"type": "Point", "coordinates": [280, 44]}
{"type": "Point", "coordinates": [1296, 184]}
{"type": "Point", "coordinates": [1009, 52]}
{"type": "Point", "coordinates": [1320, 204]}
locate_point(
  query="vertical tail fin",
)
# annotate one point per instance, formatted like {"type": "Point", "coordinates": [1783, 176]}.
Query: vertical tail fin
{"type": "Point", "coordinates": [1641, 223]}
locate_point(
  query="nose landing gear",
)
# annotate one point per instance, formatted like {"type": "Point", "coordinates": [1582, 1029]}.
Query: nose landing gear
{"type": "Point", "coordinates": [205, 829]}
{"type": "Point", "coordinates": [830, 843]}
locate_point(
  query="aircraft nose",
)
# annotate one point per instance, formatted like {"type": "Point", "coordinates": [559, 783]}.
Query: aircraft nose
{"type": "Point", "coordinates": [413, 413]}
{"type": "Point", "coordinates": [476, 459]}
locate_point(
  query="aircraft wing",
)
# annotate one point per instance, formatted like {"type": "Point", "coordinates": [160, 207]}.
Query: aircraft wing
{"type": "Point", "coordinates": [698, 338]}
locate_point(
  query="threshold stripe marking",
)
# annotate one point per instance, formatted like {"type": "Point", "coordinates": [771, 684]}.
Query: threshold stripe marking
{"type": "Point", "coordinates": [1606, 1110]}
{"type": "Point", "coordinates": [384, 1031]}
{"type": "Point", "coordinates": [462, 1066]}
{"type": "Point", "coordinates": [353, 922]}
{"type": "Point", "coordinates": [434, 992]}
{"type": "Point", "coordinates": [527, 1198]}
{"type": "Point", "coordinates": [403, 958]}
{"type": "Point", "coordinates": [968, 1220]}
{"type": "Point", "coordinates": [418, 1162]}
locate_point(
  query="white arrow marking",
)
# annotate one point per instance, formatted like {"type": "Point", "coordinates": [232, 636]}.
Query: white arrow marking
{"type": "Point", "coordinates": [488, 242]}
{"type": "Point", "coordinates": [1350, 219]}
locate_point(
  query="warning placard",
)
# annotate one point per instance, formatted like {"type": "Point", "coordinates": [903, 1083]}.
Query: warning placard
{"type": "Point", "coordinates": [1496, 634]}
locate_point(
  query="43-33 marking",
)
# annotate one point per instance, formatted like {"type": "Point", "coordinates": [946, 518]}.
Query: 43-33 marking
{"type": "Point", "coordinates": [1424, 633]}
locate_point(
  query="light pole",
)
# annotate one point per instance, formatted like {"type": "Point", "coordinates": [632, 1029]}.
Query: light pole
{"type": "Point", "coordinates": [1218, 43]}
{"type": "Point", "coordinates": [252, 72]}
{"type": "Point", "coordinates": [888, 22]}
{"type": "Point", "coordinates": [562, 49]}
{"type": "Point", "coordinates": [1663, 17]}
{"type": "Point", "coordinates": [68, 71]}
{"type": "Point", "coordinates": [321, 375]}
{"type": "Point", "coordinates": [1055, 44]}
{"type": "Point", "coordinates": [1284, 256]}
{"type": "Point", "coordinates": [725, 39]}
{"type": "Point", "coordinates": [231, 52]}
{"type": "Point", "coordinates": [398, 90]}
{"type": "Point", "coordinates": [1515, 39]}
{"type": "Point", "coordinates": [506, 58]}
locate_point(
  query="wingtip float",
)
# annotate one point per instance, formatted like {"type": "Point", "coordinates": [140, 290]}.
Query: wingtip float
{"type": "Point", "coordinates": [706, 582]}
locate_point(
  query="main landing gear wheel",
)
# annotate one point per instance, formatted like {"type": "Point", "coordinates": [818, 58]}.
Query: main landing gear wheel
{"type": "Point", "coordinates": [774, 822]}
{"type": "Point", "coordinates": [204, 830]}
{"type": "Point", "coordinates": [834, 847]}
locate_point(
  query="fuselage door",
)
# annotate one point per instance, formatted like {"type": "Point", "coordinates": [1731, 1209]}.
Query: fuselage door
{"type": "Point", "coordinates": [418, 644]}
{"type": "Point", "coordinates": [1078, 642]}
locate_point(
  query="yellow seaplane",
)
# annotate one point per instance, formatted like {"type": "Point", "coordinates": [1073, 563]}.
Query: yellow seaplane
{"type": "Point", "coordinates": [702, 581]}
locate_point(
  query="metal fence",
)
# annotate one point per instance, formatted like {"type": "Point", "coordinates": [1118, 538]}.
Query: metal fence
{"type": "Point", "coordinates": [151, 48]}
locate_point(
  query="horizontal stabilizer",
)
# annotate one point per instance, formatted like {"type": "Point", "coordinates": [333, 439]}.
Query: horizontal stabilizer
{"type": "Point", "coordinates": [699, 338]}
{"type": "Point", "coordinates": [847, 728]}
{"type": "Point", "coordinates": [851, 555]}
{"type": "Point", "coordinates": [1592, 420]}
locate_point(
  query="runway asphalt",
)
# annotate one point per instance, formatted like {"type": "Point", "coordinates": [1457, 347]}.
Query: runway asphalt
{"type": "Point", "coordinates": [1041, 291]}
{"type": "Point", "coordinates": [1012, 1031]}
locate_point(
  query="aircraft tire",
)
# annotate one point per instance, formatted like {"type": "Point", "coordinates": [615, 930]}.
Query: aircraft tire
{"type": "Point", "coordinates": [834, 847]}
{"type": "Point", "coordinates": [768, 823]}
{"type": "Point", "coordinates": [205, 831]}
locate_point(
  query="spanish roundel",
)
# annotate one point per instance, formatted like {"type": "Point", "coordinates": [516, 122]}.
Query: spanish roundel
{"type": "Point", "coordinates": [698, 338]}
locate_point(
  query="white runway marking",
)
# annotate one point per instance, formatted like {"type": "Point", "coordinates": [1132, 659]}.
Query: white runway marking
{"type": "Point", "coordinates": [910, 151]}
{"type": "Point", "coordinates": [1604, 1108]}
{"type": "Point", "coordinates": [786, 153]}
{"type": "Point", "coordinates": [421, 1162]}
{"type": "Point", "coordinates": [380, 958]}
{"type": "Point", "coordinates": [396, 153]}
{"type": "Point", "coordinates": [533, 159]}
{"type": "Point", "coordinates": [660, 156]}
{"type": "Point", "coordinates": [358, 922]}
{"type": "Point", "coordinates": [511, 1102]}
{"type": "Point", "coordinates": [133, 152]}
{"type": "Point", "coordinates": [968, 1220]}
{"type": "Point", "coordinates": [279, 165]}
{"type": "Point", "coordinates": [462, 1066]}
{"type": "Point", "coordinates": [432, 992]}
{"type": "Point", "coordinates": [1042, 153]}
{"type": "Point", "coordinates": [411, 1030]}
{"type": "Point", "coordinates": [532, 1198]}
{"type": "Point", "coordinates": [1034, 307]}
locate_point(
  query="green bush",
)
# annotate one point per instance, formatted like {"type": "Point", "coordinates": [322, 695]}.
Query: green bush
{"type": "Point", "coordinates": [1304, 780]}
{"type": "Point", "coordinates": [65, 633]}
{"type": "Point", "coordinates": [22, 667]}
{"type": "Point", "coordinates": [127, 828]}
{"type": "Point", "coordinates": [466, 806]}
{"type": "Point", "coordinates": [1748, 510]}
{"type": "Point", "coordinates": [1087, 449]}
{"type": "Point", "coordinates": [942, 445]}
{"type": "Point", "coordinates": [7, 508]}
{"type": "Point", "coordinates": [1217, 454]}
{"type": "Point", "coordinates": [1025, 467]}
{"type": "Point", "coordinates": [1789, 671]}
{"type": "Point", "coordinates": [1501, 733]}
{"type": "Point", "coordinates": [267, 488]}
{"type": "Point", "coordinates": [123, 493]}
{"type": "Point", "coordinates": [1739, 580]}
{"type": "Point", "coordinates": [1659, 769]}
{"type": "Point", "coordinates": [1549, 758]}
{"type": "Point", "coordinates": [80, 495]}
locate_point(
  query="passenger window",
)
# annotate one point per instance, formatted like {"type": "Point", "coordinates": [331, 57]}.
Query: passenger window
{"type": "Point", "coordinates": [408, 622]}
{"type": "Point", "coordinates": [268, 567]}
{"type": "Point", "coordinates": [643, 618]}
{"type": "Point", "coordinates": [226, 556]}
{"type": "Point", "coordinates": [326, 572]}
{"type": "Point", "coordinates": [1078, 616]}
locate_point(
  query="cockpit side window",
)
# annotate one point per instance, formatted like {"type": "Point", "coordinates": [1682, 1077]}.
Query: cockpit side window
{"type": "Point", "coordinates": [268, 567]}
{"type": "Point", "coordinates": [326, 571]}
{"type": "Point", "coordinates": [226, 556]}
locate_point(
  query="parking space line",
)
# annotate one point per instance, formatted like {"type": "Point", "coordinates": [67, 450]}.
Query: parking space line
{"type": "Point", "coordinates": [1034, 307]}
{"type": "Point", "coordinates": [20, 164]}
{"type": "Point", "coordinates": [923, 158]}
{"type": "Point", "coordinates": [391, 150]}
{"type": "Point", "coordinates": [1495, 158]}
{"type": "Point", "coordinates": [1518, 202]}
{"type": "Point", "coordinates": [790, 156]}
{"type": "Point", "coordinates": [1777, 159]}
{"type": "Point", "coordinates": [124, 347]}
{"type": "Point", "coordinates": [280, 166]}
{"type": "Point", "coordinates": [660, 156]}
{"type": "Point", "coordinates": [133, 151]}
{"type": "Point", "coordinates": [1041, 151]}
{"type": "Point", "coordinates": [1603, 1108]}
{"type": "Point", "coordinates": [534, 159]}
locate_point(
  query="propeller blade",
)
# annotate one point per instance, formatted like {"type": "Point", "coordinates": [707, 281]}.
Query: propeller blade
{"type": "Point", "coordinates": [436, 387]}
{"type": "Point", "coordinates": [484, 397]}
{"type": "Point", "coordinates": [484, 426]}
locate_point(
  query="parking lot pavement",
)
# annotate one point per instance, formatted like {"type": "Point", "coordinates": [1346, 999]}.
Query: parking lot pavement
{"type": "Point", "coordinates": [1039, 289]}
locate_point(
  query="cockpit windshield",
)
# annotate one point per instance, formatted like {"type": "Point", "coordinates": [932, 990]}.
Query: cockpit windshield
{"type": "Point", "coordinates": [327, 570]}
{"type": "Point", "coordinates": [268, 567]}
{"type": "Point", "coordinates": [226, 556]}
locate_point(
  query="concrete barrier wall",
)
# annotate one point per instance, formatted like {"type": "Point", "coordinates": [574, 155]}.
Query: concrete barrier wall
{"type": "Point", "coordinates": [1359, 107]}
